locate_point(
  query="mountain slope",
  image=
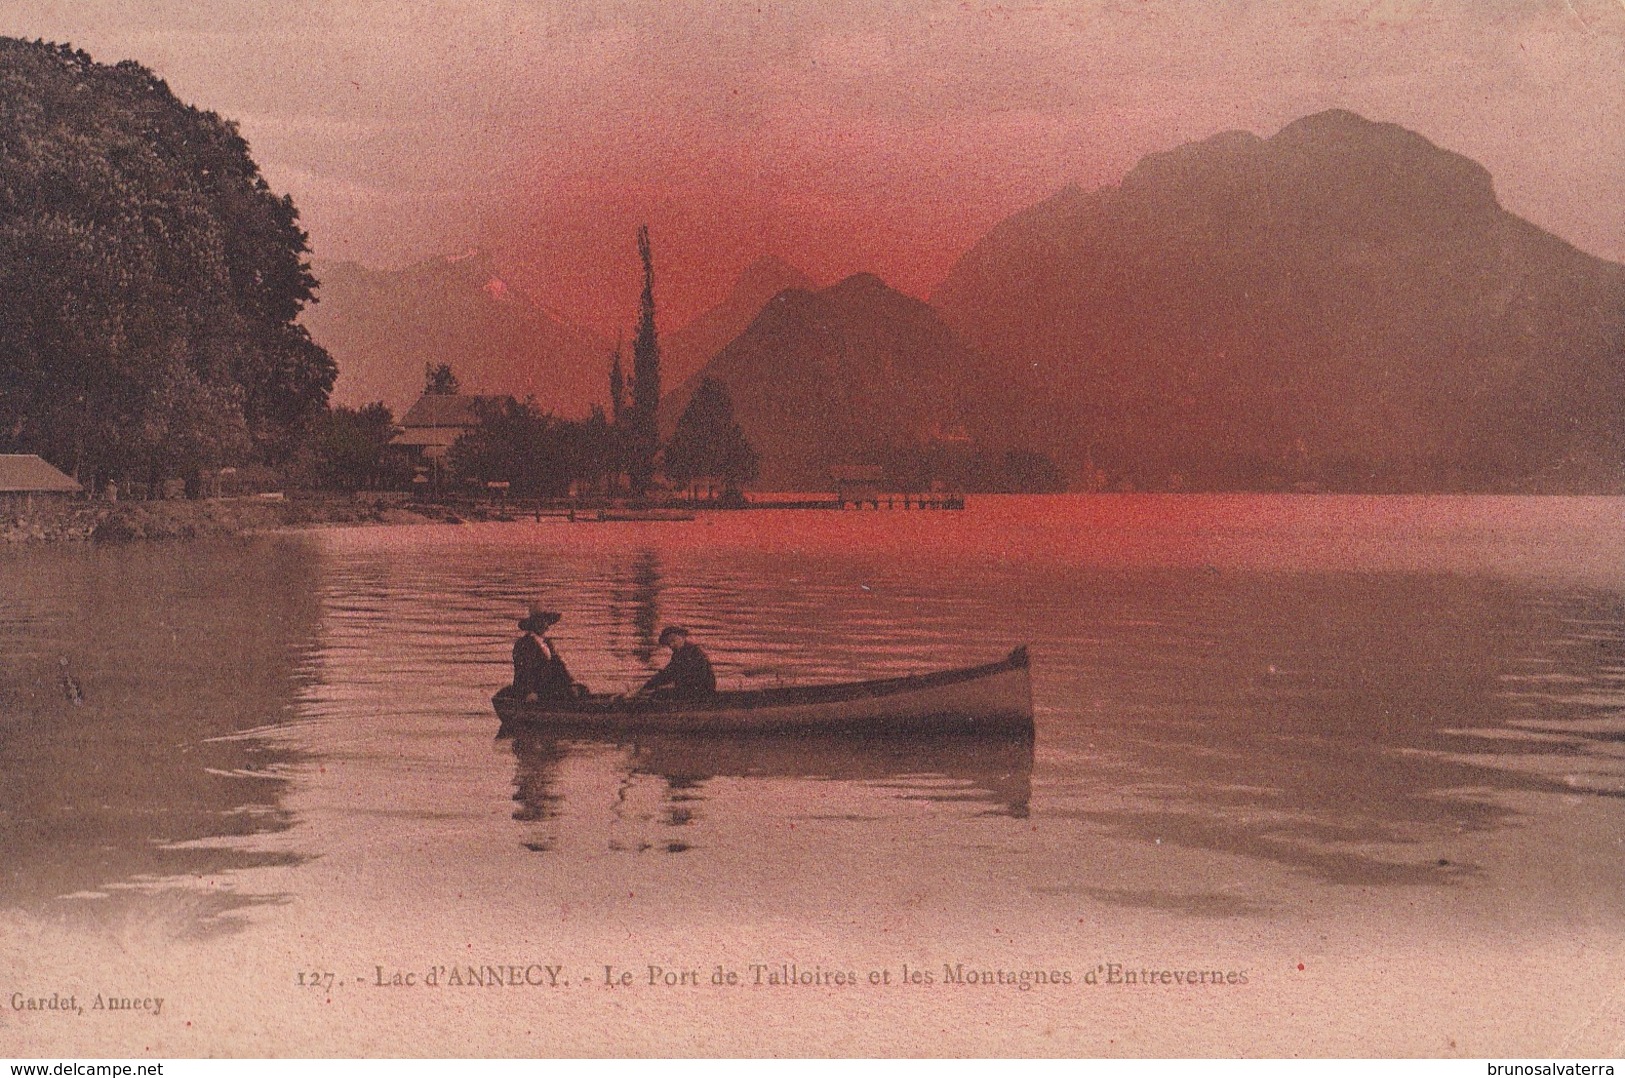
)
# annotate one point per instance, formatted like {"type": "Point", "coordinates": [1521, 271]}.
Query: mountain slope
{"type": "Point", "coordinates": [840, 375]}
{"type": "Point", "coordinates": [686, 351]}
{"type": "Point", "coordinates": [1343, 304]}
{"type": "Point", "coordinates": [383, 326]}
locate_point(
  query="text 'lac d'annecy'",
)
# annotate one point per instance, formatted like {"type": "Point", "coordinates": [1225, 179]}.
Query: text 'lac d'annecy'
{"type": "Point", "coordinates": [787, 974]}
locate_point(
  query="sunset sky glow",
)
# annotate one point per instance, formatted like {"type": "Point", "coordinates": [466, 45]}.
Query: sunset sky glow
{"type": "Point", "coordinates": [839, 136]}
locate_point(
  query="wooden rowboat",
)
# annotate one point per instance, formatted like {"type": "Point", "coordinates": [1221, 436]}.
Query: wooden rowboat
{"type": "Point", "coordinates": [995, 698]}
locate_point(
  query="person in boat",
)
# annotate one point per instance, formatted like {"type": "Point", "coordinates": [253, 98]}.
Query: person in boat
{"type": "Point", "coordinates": [687, 675]}
{"type": "Point", "coordinates": [538, 672]}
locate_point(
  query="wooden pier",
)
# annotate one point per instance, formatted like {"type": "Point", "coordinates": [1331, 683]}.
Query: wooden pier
{"type": "Point", "coordinates": [862, 486]}
{"type": "Point", "coordinates": [922, 500]}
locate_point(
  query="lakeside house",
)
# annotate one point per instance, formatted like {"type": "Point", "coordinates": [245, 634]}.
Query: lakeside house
{"type": "Point", "coordinates": [25, 476]}
{"type": "Point", "coordinates": [432, 425]}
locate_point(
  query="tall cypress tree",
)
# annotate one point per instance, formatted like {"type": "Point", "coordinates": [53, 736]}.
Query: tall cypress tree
{"type": "Point", "coordinates": [645, 430]}
{"type": "Point", "coordinates": [617, 435]}
{"type": "Point", "coordinates": [617, 385]}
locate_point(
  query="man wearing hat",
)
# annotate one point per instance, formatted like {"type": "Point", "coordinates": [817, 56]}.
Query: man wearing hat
{"type": "Point", "coordinates": [537, 669]}
{"type": "Point", "coordinates": [689, 672]}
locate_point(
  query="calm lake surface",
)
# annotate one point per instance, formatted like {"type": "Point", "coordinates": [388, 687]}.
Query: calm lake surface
{"type": "Point", "coordinates": [1370, 751]}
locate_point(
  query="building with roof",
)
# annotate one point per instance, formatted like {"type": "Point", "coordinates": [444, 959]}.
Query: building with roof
{"type": "Point", "coordinates": [25, 476]}
{"type": "Point", "coordinates": [432, 425]}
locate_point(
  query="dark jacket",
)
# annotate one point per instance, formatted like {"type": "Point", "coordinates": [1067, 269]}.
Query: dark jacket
{"type": "Point", "coordinates": [688, 674]}
{"type": "Point", "coordinates": [537, 671]}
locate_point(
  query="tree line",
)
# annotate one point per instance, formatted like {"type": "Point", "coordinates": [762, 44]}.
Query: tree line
{"type": "Point", "coordinates": [152, 284]}
{"type": "Point", "coordinates": [151, 278]}
{"type": "Point", "coordinates": [536, 454]}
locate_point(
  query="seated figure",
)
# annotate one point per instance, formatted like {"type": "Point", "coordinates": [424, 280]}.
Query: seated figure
{"type": "Point", "coordinates": [538, 671]}
{"type": "Point", "coordinates": [687, 675]}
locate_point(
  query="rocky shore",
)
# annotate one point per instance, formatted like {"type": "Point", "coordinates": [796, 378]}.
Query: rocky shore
{"type": "Point", "coordinates": [88, 521]}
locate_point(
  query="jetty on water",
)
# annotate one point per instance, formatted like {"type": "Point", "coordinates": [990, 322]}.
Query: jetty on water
{"type": "Point", "coordinates": [855, 487]}
{"type": "Point", "coordinates": [905, 500]}
{"type": "Point", "coordinates": [863, 486]}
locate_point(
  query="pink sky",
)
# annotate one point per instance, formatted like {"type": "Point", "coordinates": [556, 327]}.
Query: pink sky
{"type": "Point", "coordinates": [840, 136]}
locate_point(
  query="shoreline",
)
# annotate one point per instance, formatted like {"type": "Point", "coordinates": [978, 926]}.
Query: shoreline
{"type": "Point", "coordinates": [149, 521]}
{"type": "Point", "coordinates": [83, 521]}
{"type": "Point", "coordinates": [49, 523]}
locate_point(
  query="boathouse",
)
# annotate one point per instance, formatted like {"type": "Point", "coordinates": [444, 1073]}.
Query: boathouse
{"type": "Point", "coordinates": [25, 476]}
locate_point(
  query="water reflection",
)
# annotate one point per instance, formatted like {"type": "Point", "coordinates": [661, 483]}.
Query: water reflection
{"type": "Point", "coordinates": [634, 603]}
{"type": "Point", "coordinates": [157, 781]}
{"type": "Point", "coordinates": [1399, 725]}
{"type": "Point", "coordinates": [669, 779]}
{"type": "Point", "coordinates": [1361, 730]}
{"type": "Point", "coordinates": [1567, 693]}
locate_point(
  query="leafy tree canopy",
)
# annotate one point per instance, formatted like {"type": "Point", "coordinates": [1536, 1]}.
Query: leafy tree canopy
{"type": "Point", "coordinates": [708, 443]}
{"type": "Point", "coordinates": [536, 454]}
{"type": "Point", "coordinates": [440, 380]}
{"type": "Point", "coordinates": [349, 450]}
{"type": "Point", "coordinates": [151, 277]}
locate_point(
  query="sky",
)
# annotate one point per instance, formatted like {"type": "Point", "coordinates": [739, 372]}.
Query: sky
{"type": "Point", "coordinates": [885, 136]}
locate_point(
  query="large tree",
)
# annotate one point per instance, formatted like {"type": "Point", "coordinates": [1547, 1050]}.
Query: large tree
{"type": "Point", "coordinates": [707, 443]}
{"type": "Point", "coordinates": [643, 433]}
{"type": "Point", "coordinates": [350, 450]}
{"type": "Point", "coordinates": [151, 278]}
{"type": "Point", "coordinates": [536, 454]}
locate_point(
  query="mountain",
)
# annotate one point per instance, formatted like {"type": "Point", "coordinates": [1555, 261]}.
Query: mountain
{"type": "Point", "coordinates": [1342, 305]}
{"type": "Point", "coordinates": [684, 352]}
{"type": "Point", "coordinates": [845, 375]}
{"type": "Point", "coordinates": [383, 326]}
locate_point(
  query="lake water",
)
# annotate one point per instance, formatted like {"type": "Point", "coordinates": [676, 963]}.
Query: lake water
{"type": "Point", "coordinates": [1361, 761]}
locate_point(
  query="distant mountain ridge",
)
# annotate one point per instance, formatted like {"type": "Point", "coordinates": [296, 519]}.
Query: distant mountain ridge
{"type": "Point", "coordinates": [835, 376]}
{"type": "Point", "coordinates": [686, 350]}
{"type": "Point", "coordinates": [383, 326]}
{"type": "Point", "coordinates": [1342, 305]}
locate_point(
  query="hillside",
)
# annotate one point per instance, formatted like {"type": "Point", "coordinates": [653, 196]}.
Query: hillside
{"type": "Point", "coordinates": [690, 348]}
{"type": "Point", "coordinates": [851, 373]}
{"type": "Point", "coordinates": [1343, 305]}
{"type": "Point", "coordinates": [383, 326]}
